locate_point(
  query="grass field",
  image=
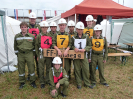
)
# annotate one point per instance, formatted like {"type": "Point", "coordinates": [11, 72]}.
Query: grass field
{"type": "Point", "coordinates": [118, 76]}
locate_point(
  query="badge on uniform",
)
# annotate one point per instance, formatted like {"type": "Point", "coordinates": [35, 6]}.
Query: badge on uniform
{"type": "Point", "coordinates": [30, 40]}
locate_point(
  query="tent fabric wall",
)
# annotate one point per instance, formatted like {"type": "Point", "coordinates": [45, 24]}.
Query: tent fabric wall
{"type": "Point", "coordinates": [54, 19]}
{"type": "Point", "coordinates": [116, 32]}
{"type": "Point", "coordinates": [12, 28]}
{"type": "Point", "coordinates": [126, 35]}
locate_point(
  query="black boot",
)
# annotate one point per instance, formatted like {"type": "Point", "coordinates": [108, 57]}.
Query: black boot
{"type": "Point", "coordinates": [42, 85]}
{"type": "Point", "coordinates": [63, 95]}
{"type": "Point", "coordinates": [21, 85]}
{"type": "Point", "coordinates": [33, 84]}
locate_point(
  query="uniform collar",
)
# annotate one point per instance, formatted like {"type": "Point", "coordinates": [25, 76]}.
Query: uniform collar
{"type": "Point", "coordinates": [52, 32]}
{"type": "Point", "coordinates": [89, 28]}
{"type": "Point", "coordinates": [30, 25]}
{"type": "Point", "coordinates": [101, 37]}
{"type": "Point", "coordinates": [43, 34]}
{"type": "Point", "coordinates": [25, 34]}
{"type": "Point", "coordinates": [71, 32]}
{"type": "Point", "coordinates": [83, 35]}
{"type": "Point", "coordinates": [55, 70]}
{"type": "Point", "coordinates": [65, 33]}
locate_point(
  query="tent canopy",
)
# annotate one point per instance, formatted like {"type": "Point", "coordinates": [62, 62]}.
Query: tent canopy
{"type": "Point", "coordinates": [100, 7]}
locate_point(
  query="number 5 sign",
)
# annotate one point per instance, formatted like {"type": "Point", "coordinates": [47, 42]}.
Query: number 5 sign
{"type": "Point", "coordinates": [80, 43]}
{"type": "Point", "coordinates": [34, 31]}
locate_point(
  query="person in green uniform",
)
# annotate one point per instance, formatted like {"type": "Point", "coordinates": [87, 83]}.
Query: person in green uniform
{"type": "Point", "coordinates": [90, 32]}
{"type": "Point", "coordinates": [58, 77]}
{"type": "Point", "coordinates": [34, 29]}
{"type": "Point", "coordinates": [98, 56]}
{"type": "Point", "coordinates": [53, 27]}
{"type": "Point", "coordinates": [43, 41]}
{"type": "Point", "coordinates": [71, 26]}
{"type": "Point", "coordinates": [80, 43]}
{"type": "Point", "coordinates": [62, 40]}
{"type": "Point", "coordinates": [24, 44]}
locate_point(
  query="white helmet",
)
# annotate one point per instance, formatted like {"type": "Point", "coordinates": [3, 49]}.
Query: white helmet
{"type": "Point", "coordinates": [62, 21]}
{"type": "Point", "coordinates": [80, 25]}
{"type": "Point", "coordinates": [71, 23]}
{"type": "Point", "coordinates": [53, 24]}
{"type": "Point", "coordinates": [44, 24]}
{"type": "Point", "coordinates": [32, 15]}
{"type": "Point", "coordinates": [89, 18]}
{"type": "Point", "coordinates": [97, 27]}
{"type": "Point", "coordinates": [57, 60]}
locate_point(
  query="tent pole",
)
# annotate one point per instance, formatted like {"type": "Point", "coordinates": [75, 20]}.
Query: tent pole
{"type": "Point", "coordinates": [37, 14]}
{"type": "Point", "coordinates": [67, 27]}
{"type": "Point", "coordinates": [111, 31]}
{"type": "Point", "coordinates": [106, 28]}
{"type": "Point", "coordinates": [75, 18]}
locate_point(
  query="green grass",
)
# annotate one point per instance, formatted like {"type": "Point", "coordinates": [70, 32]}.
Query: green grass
{"type": "Point", "coordinates": [119, 77]}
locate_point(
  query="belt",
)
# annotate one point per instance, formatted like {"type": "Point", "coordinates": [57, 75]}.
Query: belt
{"type": "Point", "coordinates": [25, 52]}
{"type": "Point", "coordinates": [97, 53]}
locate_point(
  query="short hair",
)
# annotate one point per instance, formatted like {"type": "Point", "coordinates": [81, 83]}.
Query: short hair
{"type": "Point", "coordinates": [23, 23]}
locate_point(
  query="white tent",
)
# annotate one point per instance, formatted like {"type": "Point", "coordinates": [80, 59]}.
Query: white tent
{"type": "Point", "coordinates": [12, 28]}
{"type": "Point", "coordinates": [54, 19]}
{"type": "Point", "coordinates": [107, 30]}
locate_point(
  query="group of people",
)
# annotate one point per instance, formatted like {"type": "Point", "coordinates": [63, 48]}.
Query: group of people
{"type": "Point", "coordinates": [33, 38]}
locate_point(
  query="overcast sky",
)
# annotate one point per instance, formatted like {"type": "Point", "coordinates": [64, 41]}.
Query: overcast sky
{"type": "Point", "coordinates": [52, 5]}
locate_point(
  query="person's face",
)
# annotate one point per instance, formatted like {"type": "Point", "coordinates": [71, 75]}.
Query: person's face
{"type": "Point", "coordinates": [24, 28]}
{"type": "Point", "coordinates": [71, 28]}
{"type": "Point", "coordinates": [32, 20]}
{"type": "Point", "coordinates": [44, 29]}
{"type": "Point", "coordinates": [98, 32]}
{"type": "Point", "coordinates": [62, 27]}
{"type": "Point", "coordinates": [53, 28]}
{"type": "Point", "coordinates": [57, 66]}
{"type": "Point", "coordinates": [89, 23]}
{"type": "Point", "coordinates": [80, 31]}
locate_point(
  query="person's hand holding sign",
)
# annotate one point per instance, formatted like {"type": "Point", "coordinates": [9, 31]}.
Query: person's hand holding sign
{"type": "Point", "coordinates": [82, 50]}
{"type": "Point", "coordinates": [59, 52]}
{"type": "Point", "coordinates": [65, 53]}
{"type": "Point", "coordinates": [76, 49]}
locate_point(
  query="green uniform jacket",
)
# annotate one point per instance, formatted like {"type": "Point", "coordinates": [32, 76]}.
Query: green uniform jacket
{"type": "Point", "coordinates": [87, 48]}
{"type": "Point", "coordinates": [36, 26]}
{"type": "Point", "coordinates": [105, 47]}
{"type": "Point", "coordinates": [24, 43]}
{"type": "Point", "coordinates": [54, 39]}
{"type": "Point", "coordinates": [91, 28]}
{"type": "Point", "coordinates": [52, 33]}
{"type": "Point", "coordinates": [73, 33]}
{"type": "Point", "coordinates": [57, 73]}
{"type": "Point", "coordinates": [38, 41]}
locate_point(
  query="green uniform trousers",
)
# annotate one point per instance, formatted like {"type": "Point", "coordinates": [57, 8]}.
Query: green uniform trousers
{"type": "Point", "coordinates": [97, 59]}
{"type": "Point", "coordinates": [64, 91]}
{"type": "Point", "coordinates": [67, 65]}
{"type": "Point", "coordinates": [37, 68]}
{"type": "Point", "coordinates": [41, 64]}
{"type": "Point", "coordinates": [81, 65]}
{"type": "Point", "coordinates": [90, 69]}
{"type": "Point", "coordinates": [29, 59]}
{"type": "Point", "coordinates": [36, 64]}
